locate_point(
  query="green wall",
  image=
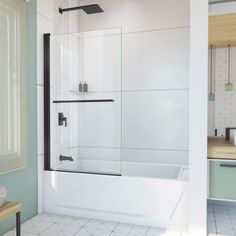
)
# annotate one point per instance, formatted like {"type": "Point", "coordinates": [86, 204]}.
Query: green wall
{"type": "Point", "coordinates": [22, 184]}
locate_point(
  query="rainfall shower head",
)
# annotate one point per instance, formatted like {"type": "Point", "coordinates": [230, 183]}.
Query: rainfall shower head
{"type": "Point", "coordinates": [92, 9]}
{"type": "Point", "coordinates": [89, 9]}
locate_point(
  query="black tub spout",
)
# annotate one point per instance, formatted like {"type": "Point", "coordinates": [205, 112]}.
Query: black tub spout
{"type": "Point", "coordinates": [65, 158]}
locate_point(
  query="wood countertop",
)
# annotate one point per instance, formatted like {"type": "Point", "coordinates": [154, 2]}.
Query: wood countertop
{"type": "Point", "coordinates": [220, 148]}
{"type": "Point", "coordinates": [8, 209]}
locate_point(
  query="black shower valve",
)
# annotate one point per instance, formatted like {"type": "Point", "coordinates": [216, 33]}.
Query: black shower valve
{"type": "Point", "coordinates": [62, 119]}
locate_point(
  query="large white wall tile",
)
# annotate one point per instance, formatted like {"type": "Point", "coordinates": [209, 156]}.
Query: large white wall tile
{"type": "Point", "coordinates": [102, 62]}
{"type": "Point", "coordinates": [222, 112]}
{"type": "Point", "coordinates": [151, 170]}
{"type": "Point", "coordinates": [45, 8]}
{"type": "Point", "coordinates": [61, 21]}
{"type": "Point", "coordinates": [94, 58]}
{"type": "Point", "coordinates": [155, 156]}
{"type": "Point", "coordinates": [211, 118]}
{"type": "Point", "coordinates": [68, 21]}
{"type": "Point", "coordinates": [152, 59]}
{"type": "Point", "coordinates": [44, 26]}
{"type": "Point", "coordinates": [135, 15]}
{"type": "Point", "coordinates": [73, 125]}
{"type": "Point", "coordinates": [156, 60]}
{"type": "Point", "coordinates": [97, 154]}
{"type": "Point", "coordinates": [100, 123]}
{"type": "Point", "coordinates": [155, 120]}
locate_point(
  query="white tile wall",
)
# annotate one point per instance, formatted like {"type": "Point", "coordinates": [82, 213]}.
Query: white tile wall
{"type": "Point", "coordinates": [156, 60]}
{"type": "Point", "coordinates": [133, 15]}
{"type": "Point", "coordinates": [94, 57]}
{"type": "Point", "coordinates": [211, 118]}
{"type": "Point", "coordinates": [102, 61]}
{"type": "Point", "coordinates": [155, 156]}
{"type": "Point", "coordinates": [153, 61]}
{"type": "Point", "coordinates": [222, 112]}
{"type": "Point", "coordinates": [101, 153]}
{"type": "Point", "coordinates": [43, 26]}
{"type": "Point", "coordinates": [47, 15]}
{"type": "Point", "coordinates": [60, 21]}
{"type": "Point", "coordinates": [45, 9]}
{"type": "Point", "coordinates": [155, 120]}
{"type": "Point", "coordinates": [100, 123]}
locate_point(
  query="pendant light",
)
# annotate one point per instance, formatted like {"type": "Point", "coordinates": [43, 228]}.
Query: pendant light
{"type": "Point", "coordinates": [229, 85]}
{"type": "Point", "coordinates": [211, 95]}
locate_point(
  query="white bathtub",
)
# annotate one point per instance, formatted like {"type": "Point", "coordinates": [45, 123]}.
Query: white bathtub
{"type": "Point", "coordinates": [139, 169]}
{"type": "Point", "coordinates": [158, 202]}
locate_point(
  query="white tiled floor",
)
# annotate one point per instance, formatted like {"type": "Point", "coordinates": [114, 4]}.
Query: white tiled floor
{"type": "Point", "coordinates": [221, 220]}
{"type": "Point", "coordinates": [59, 225]}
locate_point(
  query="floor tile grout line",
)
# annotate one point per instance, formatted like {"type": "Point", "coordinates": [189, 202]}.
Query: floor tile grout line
{"type": "Point", "coordinates": [114, 228]}
{"type": "Point", "coordinates": [213, 209]}
{"type": "Point", "coordinates": [54, 223]}
{"type": "Point", "coordinates": [210, 207]}
{"type": "Point", "coordinates": [226, 209]}
{"type": "Point", "coordinates": [48, 227]}
{"type": "Point", "coordinates": [147, 230]}
{"type": "Point", "coordinates": [77, 231]}
{"type": "Point", "coordinates": [101, 225]}
{"type": "Point", "coordinates": [33, 226]}
{"type": "Point", "coordinates": [231, 222]}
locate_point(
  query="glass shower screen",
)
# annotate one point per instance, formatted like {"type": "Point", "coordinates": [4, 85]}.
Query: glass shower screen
{"type": "Point", "coordinates": [85, 102]}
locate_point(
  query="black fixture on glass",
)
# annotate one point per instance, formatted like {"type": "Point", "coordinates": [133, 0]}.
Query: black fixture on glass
{"type": "Point", "coordinates": [84, 101]}
{"type": "Point", "coordinates": [88, 9]}
{"type": "Point", "coordinates": [62, 119]}
{"type": "Point", "coordinates": [47, 128]}
{"type": "Point", "coordinates": [65, 158]}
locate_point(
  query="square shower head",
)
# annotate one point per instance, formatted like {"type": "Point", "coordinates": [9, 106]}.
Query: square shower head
{"type": "Point", "coordinates": [92, 9]}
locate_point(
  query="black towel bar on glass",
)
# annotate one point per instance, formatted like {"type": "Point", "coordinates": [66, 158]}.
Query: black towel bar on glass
{"type": "Point", "coordinates": [84, 101]}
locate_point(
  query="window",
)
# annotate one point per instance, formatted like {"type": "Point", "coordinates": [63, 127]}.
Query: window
{"type": "Point", "coordinates": [13, 85]}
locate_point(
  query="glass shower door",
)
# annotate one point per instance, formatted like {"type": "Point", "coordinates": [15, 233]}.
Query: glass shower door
{"type": "Point", "coordinates": [85, 102]}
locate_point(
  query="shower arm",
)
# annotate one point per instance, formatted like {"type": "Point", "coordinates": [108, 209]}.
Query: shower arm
{"type": "Point", "coordinates": [69, 9]}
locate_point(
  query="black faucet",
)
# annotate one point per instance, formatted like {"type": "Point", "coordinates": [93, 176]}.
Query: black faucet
{"type": "Point", "coordinates": [62, 119]}
{"type": "Point", "coordinates": [65, 158]}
